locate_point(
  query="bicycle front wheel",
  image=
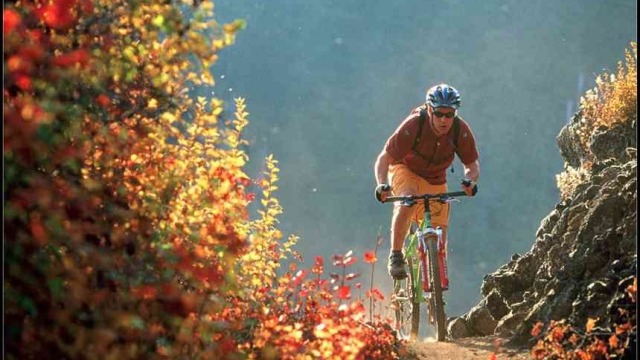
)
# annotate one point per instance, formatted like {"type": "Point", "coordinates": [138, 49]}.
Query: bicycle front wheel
{"type": "Point", "coordinates": [436, 289]}
{"type": "Point", "coordinates": [406, 306]}
{"type": "Point", "coordinates": [415, 303]}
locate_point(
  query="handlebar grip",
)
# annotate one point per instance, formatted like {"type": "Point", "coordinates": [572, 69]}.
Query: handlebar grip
{"type": "Point", "coordinates": [379, 188]}
{"type": "Point", "coordinates": [467, 182]}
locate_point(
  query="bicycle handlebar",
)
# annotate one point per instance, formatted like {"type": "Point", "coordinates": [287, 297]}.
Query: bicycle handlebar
{"type": "Point", "coordinates": [411, 199]}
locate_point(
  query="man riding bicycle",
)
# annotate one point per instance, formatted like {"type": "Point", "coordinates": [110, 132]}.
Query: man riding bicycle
{"type": "Point", "coordinates": [415, 159]}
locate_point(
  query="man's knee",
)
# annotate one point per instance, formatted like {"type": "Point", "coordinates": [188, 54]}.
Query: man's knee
{"type": "Point", "coordinates": [402, 214]}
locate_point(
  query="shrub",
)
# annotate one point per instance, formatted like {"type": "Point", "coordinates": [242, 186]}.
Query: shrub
{"type": "Point", "coordinates": [126, 226]}
{"type": "Point", "coordinates": [570, 178]}
{"type": "Point", "coordinates": [613, 100]}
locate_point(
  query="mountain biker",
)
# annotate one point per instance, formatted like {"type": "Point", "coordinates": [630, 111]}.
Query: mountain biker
{"type": "Point", "coordinates": [415, 164]}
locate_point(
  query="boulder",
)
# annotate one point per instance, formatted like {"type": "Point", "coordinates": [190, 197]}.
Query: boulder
{"type": "Point", "coordinates": [506, 327]}
{"type": "Point", "coordinates": [496, 305]}
{"type": "Point", "coordinates": [612, 142]}
{"type": "Point", "coordinates": [480, 321]}
{"type": "Point", "coordinates": [569, 143]}
{"type": "Point", "coordinates": [458, 328]}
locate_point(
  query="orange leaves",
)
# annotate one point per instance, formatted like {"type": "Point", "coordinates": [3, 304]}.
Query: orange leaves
{"type": "Point", "coordinates": [557, 334]}
{"type": "Point", "coordinates": [573, 339]}
{"type": "Point", "coordinates": [376, 294]}
{"type": "Point", "coordinates": [370, 257]}
{"type": "Point", "coordinates": [19, 64]}
{"type": "Point", "coordinates": [591, 323]}
{"type": "Point", "coordinates": [318, 267]}
{"type": "Point", "coordinates": [623, 328]}
{"type": "Point", "coordinates": [632, 289]}
{"type": "Point", "coordinates": [564, 342]}
{"type": "Point", "coordinates": [537, 328]}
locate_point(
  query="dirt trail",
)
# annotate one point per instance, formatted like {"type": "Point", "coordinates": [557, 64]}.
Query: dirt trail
{"type": "Point", "coordinates": [474, 348]}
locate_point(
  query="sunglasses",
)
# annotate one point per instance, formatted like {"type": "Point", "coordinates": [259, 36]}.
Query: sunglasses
{"type": "Point", "coordinates": [449, 115]}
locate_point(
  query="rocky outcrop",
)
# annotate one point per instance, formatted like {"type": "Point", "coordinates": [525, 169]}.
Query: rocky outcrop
{"type": "Point", "coordinates": [584, 254]}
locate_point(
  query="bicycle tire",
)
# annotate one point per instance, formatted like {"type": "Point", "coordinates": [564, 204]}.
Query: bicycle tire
{"type": "Point", "coordinates": [436, 289]}
{"type": "Point", "coordinates": [400, 302]}
{"type": "Point", "coordinates": [406, 307]}
{"type": "Point", "coordinates": [415, 303]}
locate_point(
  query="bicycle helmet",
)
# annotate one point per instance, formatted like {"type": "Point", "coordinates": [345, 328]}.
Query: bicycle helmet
{"type": "Point", "coordinates": [443, 95]}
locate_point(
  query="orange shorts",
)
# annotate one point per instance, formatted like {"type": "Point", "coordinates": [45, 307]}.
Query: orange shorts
{"type": "Point", "coordinates": [406, 182]}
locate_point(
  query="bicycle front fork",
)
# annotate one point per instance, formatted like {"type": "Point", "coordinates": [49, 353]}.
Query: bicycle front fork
{"type": "Point", "coordinates": [442, 260]}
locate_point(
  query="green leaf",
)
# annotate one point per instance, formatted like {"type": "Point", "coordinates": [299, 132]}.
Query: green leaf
{"type": "Point", "coordinates": [55, 286]}
{"type": "Point", "coordinates": [158, 21]}
{"type": "Point", "coordinates": [27, 304]}
{"type": "Point", "coordinates": [55, 225]}
{"type": "Point", "coordinates": [129, 52]}
{"type": "Point", "coordinates": [72, 164]}
{"type": "Point", "coordinates": [136, 322]}
{"type": "Point", "coordinates": [242, 23]}
{"type": "Point", "coordinates": [168, 273]}
{"type": "Point", "coordinates": [131, 75]}
{"type": "Point", "coordinates": [45, 133]}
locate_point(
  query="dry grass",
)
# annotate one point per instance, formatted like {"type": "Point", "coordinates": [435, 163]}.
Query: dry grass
{"type": "Point", "coordinates": [613, 100]}
{"type": "Point", "coordinates": [569, 179]}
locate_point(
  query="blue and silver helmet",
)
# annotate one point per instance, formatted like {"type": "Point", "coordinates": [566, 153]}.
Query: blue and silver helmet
{"type": "Point", "coordinates": [443, 95]}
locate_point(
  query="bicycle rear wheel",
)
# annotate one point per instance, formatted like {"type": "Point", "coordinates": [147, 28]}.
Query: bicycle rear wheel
{"type": "Point", "coordinates": [436, 301]}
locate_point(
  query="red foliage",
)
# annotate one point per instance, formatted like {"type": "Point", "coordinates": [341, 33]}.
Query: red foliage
{"type": "Point", "coordinates": [77, 57]}
{"type": "Point", "coordinates": [11, 20]}
{"type": "Point", "coordinates": [370, 257]}
{"type": "Point", "coordinates": [102, 100]}
{"type": "Point", "coordinates": [563, 341]}
{"type": "Point", "coordinates": [344, 292]}
{"type": "Point", "coordinates": [58, 14]}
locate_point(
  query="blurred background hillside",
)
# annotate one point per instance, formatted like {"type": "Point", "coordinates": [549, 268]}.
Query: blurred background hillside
{"type": "Point", "coordinates": [327, 82]}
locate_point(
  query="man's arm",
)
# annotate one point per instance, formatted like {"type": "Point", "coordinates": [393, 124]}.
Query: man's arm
{"type": "Point", "coordinates": [472, 171]}
{"type": "Point", "coordinates": [381, 168]}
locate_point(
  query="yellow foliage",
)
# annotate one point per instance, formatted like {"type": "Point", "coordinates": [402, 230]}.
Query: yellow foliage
{"type": "Point", "coordinates": [266, 249]}
{"type": "Point", "coordinates": [614, 98]}
{"type": "Point", "coordinates": [569, 179]}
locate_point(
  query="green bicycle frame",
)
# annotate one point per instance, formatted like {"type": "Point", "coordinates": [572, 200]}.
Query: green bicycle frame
{"type": "Point", "coordinates": [412, 251]}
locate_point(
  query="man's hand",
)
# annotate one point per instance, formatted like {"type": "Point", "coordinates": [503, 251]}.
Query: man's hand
{"type": "Point", "coordinates": [469, 187]}
{"type": "Point", "coordinates": [382, 192]}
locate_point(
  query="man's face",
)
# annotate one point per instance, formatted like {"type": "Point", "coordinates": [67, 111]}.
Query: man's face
{"type": "Point", "coordinates": [441, 119]}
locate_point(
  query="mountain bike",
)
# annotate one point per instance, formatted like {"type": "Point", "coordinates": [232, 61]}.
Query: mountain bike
{"type": "Point", "coordinates": [426, 271]}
